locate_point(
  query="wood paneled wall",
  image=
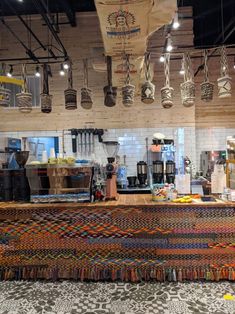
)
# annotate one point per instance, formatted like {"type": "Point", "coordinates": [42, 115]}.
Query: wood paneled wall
{"type": "Point", "coordinates": [80, 43]}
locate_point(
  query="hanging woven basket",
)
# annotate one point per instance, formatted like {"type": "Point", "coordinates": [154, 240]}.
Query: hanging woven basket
{"type": "Point", "coordinates": [110, 92]}
{"type": "Point", "coordinates": [5, 96]}
{"type": "Point", "coordinates": [148, 88]}
{"type": "Point", "coordinates": [167, 91]}
{"type": "Point", "coordinates": [188, 93]}
{"type": "Point", "coordinates": [46, 98]}
{"type": "Point", "coordinates": [24, 99]}
{"type": "Point", "coordinates": [224, 81]}
{"type": "Point", "coordinates": [128, 91]}
{"type": "Point", "coordinates": [207, 88]}
{"type": "Point", "coordinates": [70, 93]}
{"type": "Point", "coordinates": [86, 93]}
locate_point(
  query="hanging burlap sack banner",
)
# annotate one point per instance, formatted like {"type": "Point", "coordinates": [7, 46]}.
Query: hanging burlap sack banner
{"type": "Point", "coordinates": [224, 81]}
{"type": "Point", "coordinates": [167, 91]}
{"type": "Point", "coordinates": [207, 88]}
{"type": "Point", "coordinates": [148, 88]}
{"type": "Point", "coordinates": [70, 93]}
{"type": "Point", "coordinates": [46, 98]}
{"type": "Point", "coordinates": [128, 91]}
{"type": "Point", "coordinates": [188, 87]}
{"type": "Point", "coordinates": [110, 92]}
{"type": "Point", "coordinates": [86, 94]}
{"type": "Point", "coordinates": [24, 99]}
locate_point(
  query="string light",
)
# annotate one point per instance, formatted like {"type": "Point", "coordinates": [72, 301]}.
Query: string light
{"type": "Point", "coordinates": [62, 73]}
{"type": "Point", "coordinates": [176, 23]}
{"type": "Point", "coordinates": [162, 59]}
{"type": "Point", "coordinates": [9, 73]}
{"type": "Point", "coordinates": [37, 72]}
{"type": "Point", "coordinates": [169, 46]}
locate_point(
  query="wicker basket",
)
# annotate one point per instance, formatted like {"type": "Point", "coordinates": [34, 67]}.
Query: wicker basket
{"type": "Point", "coordinates": [128, 95]}
{"type": "Point", "coordinates": [224, 86]}
{"type": "Point", "coordinates": [5, 96]}
{"type": "Point", "coordinates": [187, 93]}
{"type": "Point", "coordinates": [24, 102]}
{"type": "Point", "coordinates": [147, 92]}
{"type": "Point", "coordinates": [167, 97]}
{"type": "Point", "coordinates": [46, 103]}
{"type": "Point", "coordinates": [70, 99]}
{"type": "Point", "coordinates": [86, 100]}
{"type": "Point", "coordinates": [207, 90]}
{"type": "Point", "coordinates": [110, 96]}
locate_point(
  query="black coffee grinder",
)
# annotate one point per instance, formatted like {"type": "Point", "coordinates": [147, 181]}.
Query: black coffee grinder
{"type": "Point", "coordinates": [170, 171]}
{"type": "Point", "coordinates": [142, 170]}
{"type": "Point", "coordinates": [158, 171]}
{"type": "Point", "coordinates": [21, 190]}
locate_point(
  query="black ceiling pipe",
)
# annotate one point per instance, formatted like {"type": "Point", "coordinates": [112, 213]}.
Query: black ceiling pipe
{"type": "Point", "coordinates": [71, 15]}
{"type": "Point", "coordinates": [28, 51]}
{"type": "Point", "coordinates": [39, 5]}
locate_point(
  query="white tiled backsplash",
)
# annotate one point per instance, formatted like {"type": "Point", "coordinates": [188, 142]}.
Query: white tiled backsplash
{"type": "Point", "coordinates": [189, 142]}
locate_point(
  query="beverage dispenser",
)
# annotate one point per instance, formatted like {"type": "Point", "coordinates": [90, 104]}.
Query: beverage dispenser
{"type": "Point", "coordinates": [142, 173]}
{"type": "Point", "coordinates": [158, 171]}
{"type": "Point", "coordinates": [170, 171]}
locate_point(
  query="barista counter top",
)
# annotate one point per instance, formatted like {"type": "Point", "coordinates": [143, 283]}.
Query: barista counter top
{"type": "Point", "coordinates": [132, 238]}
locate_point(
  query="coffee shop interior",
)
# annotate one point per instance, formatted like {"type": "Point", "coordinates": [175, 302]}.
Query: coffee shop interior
{"type": "Point", "coordinates": [117, 156]}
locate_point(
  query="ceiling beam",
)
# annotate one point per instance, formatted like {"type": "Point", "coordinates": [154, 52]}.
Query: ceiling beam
{"type": "Point", "coordinates": [69, 11]}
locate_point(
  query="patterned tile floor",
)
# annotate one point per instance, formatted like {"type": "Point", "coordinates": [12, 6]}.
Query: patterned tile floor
{"type": "Point", "coordinates": [18, 297]}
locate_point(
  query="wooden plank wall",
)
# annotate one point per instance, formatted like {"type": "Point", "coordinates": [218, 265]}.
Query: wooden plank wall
{"type": "Point", "coordinates": [81, 42]}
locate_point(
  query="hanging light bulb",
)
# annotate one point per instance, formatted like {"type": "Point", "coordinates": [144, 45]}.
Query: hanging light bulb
{"type": "Point", "coordinates": [176, 23]}
{"type": "Point", "coordinates": [234, 63]}
{"type": "Point", "coordinates": [182, 69]}
{"type": "Point", "coordinates": [9, 73]}
{"type": "Point", "coordinates": [169, 46]}
{"type": "Point", "coordinates": [37, 71]}
{"type": "Point", "coordinates": [66, 65]}
{"type": "Point", "coordinates": [62, 72]}
{"type": "Point", "coordinates": [20, 0]}
{"type": "Point", "coordinates": [162, 58]}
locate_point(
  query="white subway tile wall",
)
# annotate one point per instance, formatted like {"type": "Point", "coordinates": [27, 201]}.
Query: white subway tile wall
{"type": "Point", "coordinates": [189, 141]}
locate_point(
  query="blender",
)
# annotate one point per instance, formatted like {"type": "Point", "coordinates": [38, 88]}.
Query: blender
{"type": "Point", "coordinates": [111, 148]}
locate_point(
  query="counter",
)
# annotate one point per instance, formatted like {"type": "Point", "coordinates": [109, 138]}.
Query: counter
{"type": "Point", "coordinates": [130, 239]}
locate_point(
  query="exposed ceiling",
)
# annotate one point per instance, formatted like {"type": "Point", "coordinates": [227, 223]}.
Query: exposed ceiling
{"type": "Point", "coordinates": [214, 20]}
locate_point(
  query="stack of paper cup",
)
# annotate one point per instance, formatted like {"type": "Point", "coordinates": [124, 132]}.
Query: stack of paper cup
{"type": "Point", "coordinates": [44, 156]}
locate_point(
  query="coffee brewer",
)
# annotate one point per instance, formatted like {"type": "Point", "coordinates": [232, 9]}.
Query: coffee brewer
{"type": "Point", "coordinates": [142, 173]}
{"type": "Point", "coordinates": [111, 149]}
{"type": "Point", "coordinates": [158, 171]}
{"type": "Point", "coordinates": [170, 171]}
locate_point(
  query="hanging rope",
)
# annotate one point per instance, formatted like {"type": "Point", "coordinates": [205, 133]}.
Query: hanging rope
{"type": "Point", "coordinates": [45, 80]}
{"type": "Point", "coordinates": [147, 66]}
{"type": "Point", "coordinates": [109, 70]}
{"type": "Point", "coordinates": [85, 72]}
{"type": "Point", "coordinates": [25, 86]}
{"type": "Point", "coordinates": [128, 70]}
{"type": "Point", "coordinates": [70, 76]}
{"type": "Point", "coordinates": [167, 69]}
{"type": "Point", "coordinates": [206, 78]}
{"type": "Point", "coordinates": [223, 62]}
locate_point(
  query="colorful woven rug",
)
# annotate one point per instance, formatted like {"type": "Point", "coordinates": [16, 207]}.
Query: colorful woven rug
{"type": "Point", "coordinates": [125, 243]}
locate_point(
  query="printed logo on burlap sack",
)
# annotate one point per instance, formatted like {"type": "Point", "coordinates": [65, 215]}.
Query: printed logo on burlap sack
{"type": "Point", "coordinates": [122, 24]}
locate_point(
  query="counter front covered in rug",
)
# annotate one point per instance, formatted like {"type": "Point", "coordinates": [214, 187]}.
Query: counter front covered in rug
{"type": "Point", "coordinates": [160, 242]}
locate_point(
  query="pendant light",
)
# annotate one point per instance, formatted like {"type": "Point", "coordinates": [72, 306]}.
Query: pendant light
{"type": "Point", "coordinates": [24, 99]}
{"type": "Point", "coordinates": [70, 93]}
{"type": "Point", "coordinates": [128, 91]}
{"type": "Point", "coordinates": [207, 88]}
{"type": "Point", "coordinates": [167, 90]}
{"type": "Point", "coordinates": [148, 88]}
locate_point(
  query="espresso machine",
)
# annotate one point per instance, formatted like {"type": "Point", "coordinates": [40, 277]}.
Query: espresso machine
{"type": "Point", "coordinates": [111, 149]}
{"type": "Point", "coordinates": [158, 171]}
{"type": "Point", "coordinates": [142, 170]}
{"type": "Point", "coordinates": [170, 172]}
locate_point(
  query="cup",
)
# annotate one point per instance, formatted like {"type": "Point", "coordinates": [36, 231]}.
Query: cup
{"type": "Point", "coordinates": [44, 156]}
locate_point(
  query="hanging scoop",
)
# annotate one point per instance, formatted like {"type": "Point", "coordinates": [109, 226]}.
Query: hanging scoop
{"type": "Point", "coordinates": [46, 98]}
{"type": "Point", "coordinates": [86, 93]}
{"type": "Point", "coordinates": [24, 99]}
{"type": "Point", "coordinates": [70, 93]}
{"type": "Point", "coordinates": [110, 92]}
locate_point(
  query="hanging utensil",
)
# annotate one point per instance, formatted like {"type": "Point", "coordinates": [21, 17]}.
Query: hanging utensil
{"type": "Point", "coordinates": [207, 88]}
{"type": "Point", "coordinates": [148, 88]}
{"type": "Point", "coordinates": [110, 92]}
{"type": "Point", "coordinates": [187, 88]}
{"type": "Point", "coordinates": [167, 91]}
{"type": "Point", "coordinates": [224, 81]}
{"type": "Point", "coordinates": [86, 93]}
{"type": "Point", "coordinates": [128, 91]}
{"type": "Point", "coordinates": [24, 99]}
{"type": "Point", "coordinates": [70, 93]}
{"type": "Point", "coordinates": [46, 98]}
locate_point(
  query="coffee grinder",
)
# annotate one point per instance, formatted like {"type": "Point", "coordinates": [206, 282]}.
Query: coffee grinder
{"type": "Point", "coordinates": [142, 170]}
{"type": "Point", "coordinates": [111, 149]}
{"type": "Point", "coordinates": [21, 190]}
{"type": "Point", "coordinates": [158, 171]}
{"type": "Point", "coordinates": [170, 171]}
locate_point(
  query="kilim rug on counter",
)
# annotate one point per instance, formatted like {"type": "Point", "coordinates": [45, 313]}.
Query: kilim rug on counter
{"type": "Point", "coordinates": [127, 243]}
